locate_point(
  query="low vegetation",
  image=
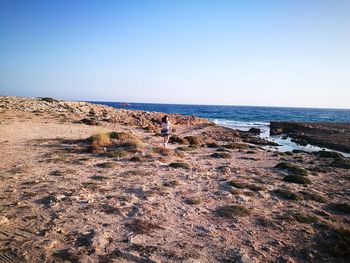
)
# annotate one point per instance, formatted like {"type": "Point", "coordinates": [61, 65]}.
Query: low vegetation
{"type": "Point", "coordinates": [311, 195]}
{"type": "Point", "coordinates": [235, 145]}
{"type": "Point", "coordinates": [341, 163]}
{"type": "Point", "coordinates": [194, 140]}
{"type": "Point", "coordinates": [326, 154]}
{"type": "Point", "coordinates": [232, 211]}
{"type": "Point", "coordinates": [162, 151]}
{"type": "Point", "coordinates": [142, 227]}
{"type": "Point", "coordinates": [192, 201]}
{"type": "Point", "coordinates": [222, 155]}
{"type": "Point", "coordinates": [287, 194]}
{"type": "Point", "coordinates": [172, 183]}
{"type": "Point", "coordinates": [243, 185]}
{"type": "Point", "coordinates": [115, 141]}
{"type": "Point", "coordinates": [179, 165]}
{"type": "Point", "coordinates": [106, 165]}
{"type": "Point", "coordinates": [304, 218]}
{"type": "Point", "coordinates": [177, 139]}
{"type": "Point", "coordinates": [337, 242]}
{"type": "Point", "coordinates": [340, 208]}
{"type": "Point", "coordinates": [292, 169]}
{"type": "Point", "coordinates": [296, 179]}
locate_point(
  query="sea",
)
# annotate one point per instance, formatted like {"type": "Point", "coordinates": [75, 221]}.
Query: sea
{"type": "Point", "coordinates": [246, 117]}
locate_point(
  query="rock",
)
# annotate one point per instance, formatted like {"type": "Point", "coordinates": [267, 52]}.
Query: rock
{"type": "Point", "coordinates": [4, 220]}
{"type": "Point", "coordinates": [255, 131]}
{"type": "Point", "coordinates": [335, 136]}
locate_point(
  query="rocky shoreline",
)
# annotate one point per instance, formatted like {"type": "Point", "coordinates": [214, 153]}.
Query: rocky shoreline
{"type": "Point", "coordinates": [89, 183]}
{"type": "Point", "coordinates": [334, 136]}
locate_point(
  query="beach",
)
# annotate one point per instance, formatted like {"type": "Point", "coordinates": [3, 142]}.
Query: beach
{"type": "Point", "coordinates": [82, 182]}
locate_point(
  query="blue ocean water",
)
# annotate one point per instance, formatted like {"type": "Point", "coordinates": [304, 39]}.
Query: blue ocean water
{"type": "Point", "coordinates": [243, 115]}
{"type": "Point", "coordinates": [246, 117]}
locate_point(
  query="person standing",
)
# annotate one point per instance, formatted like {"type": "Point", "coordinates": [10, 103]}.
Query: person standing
{"type": "Point", "coordinates": [165, 129]}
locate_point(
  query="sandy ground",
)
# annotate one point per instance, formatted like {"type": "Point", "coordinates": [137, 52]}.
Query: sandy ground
{"type": "Point", "coordinates": [59, 203]}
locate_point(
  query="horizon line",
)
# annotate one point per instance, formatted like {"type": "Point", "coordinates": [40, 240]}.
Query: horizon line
{"type": "Point", "coordinates": [222, 105]}
{"type": "Point", "coordinates": [186, 104]}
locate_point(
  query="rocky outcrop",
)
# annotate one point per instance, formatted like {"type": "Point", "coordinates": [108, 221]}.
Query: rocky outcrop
{"type": "Point", "coordinates": [331, 135]}
{"type": "Point", "coordinates": [92, 114]}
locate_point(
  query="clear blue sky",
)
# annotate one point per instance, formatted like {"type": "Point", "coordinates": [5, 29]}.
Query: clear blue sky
{"type": "Point", "coordinates": [274, 53]}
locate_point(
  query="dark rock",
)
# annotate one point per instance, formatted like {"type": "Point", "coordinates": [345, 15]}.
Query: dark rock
{"type": "Point", "coordinates": [51, 100]}
{"type": "Point", "coordinates": [331, 135]}
{"type": "Point", "coordinates": [221, 155]}
{"type": "Point", "coordinates": [255, 131]}
{"type": "Point", "coordinates": [327, 154]}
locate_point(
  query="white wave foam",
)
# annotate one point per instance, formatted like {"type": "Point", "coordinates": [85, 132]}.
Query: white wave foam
{"type": "Point", "coordinates": [245, 125]}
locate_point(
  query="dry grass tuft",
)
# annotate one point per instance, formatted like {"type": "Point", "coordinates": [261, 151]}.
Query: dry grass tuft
{"type": "Point", "coordinates": [304, 218]}
{"type": "Point", "coordinates": [194, 140]}
{"type": "Point", "coordinates": [142, 227]}
{"type": "Point", "coordinates": [337, 242]}
{"type": "Point", "coordinates": [242, 185]}
{"type": "Point", "coordinates": [296, 179]}
{"type": "Point", "coordinates": [162, 151]}
{"type": "Point", "coordinates": [172, 183]}
{"type": "Point", "coordinates": [192, 201]}
{"type": "Point", "coordinates": [179, 165]}
{"type": "Point", "coordinates": [292, 169]}
{"type": "Point", "coordinates": [287, 194]}
{"type": "Point", "coordinates": [235, 145]}
{"type": "Point", "coordinates": [177, 139]}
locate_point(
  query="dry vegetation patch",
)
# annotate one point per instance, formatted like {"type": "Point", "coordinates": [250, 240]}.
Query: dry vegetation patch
{"type": "Point", "coordinates": [243, 185]}
{"type": "Point", "coordinates": [232, 211]}
{"type": "Point", "coordinates": [340, 207]}
{"type": "Point", "coordinates": [287, 194]}
{"type": "Point", "coordinates": [292, 169]}
{"type": "Point", "coordinates": [194, 140]}
{"type": "Point", "coordinates": [336, 240]}
{"type": "Point", "coordinates": [221, 155]}
{"type": "Point", "coordinates": [143, 227]}
{"type": "Point", "coordinates": [296, 179]}
{"type": "Point", "coordinates": [179, 165]}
